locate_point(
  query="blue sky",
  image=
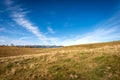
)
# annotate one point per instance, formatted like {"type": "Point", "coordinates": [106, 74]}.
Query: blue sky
{"type": "Point", "coordinates": [59, 22]}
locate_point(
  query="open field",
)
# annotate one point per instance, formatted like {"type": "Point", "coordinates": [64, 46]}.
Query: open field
{"type": "Point", "coordinates": [100, 61]}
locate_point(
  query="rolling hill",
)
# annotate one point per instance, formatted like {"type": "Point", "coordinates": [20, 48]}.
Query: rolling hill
{"type": "Point", "coordinates": [99, 61]}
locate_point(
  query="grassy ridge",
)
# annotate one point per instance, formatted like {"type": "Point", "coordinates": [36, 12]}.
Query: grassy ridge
{"type": "Point", "coordinates": [81, 62]}
{"type": "Point", "coordinates": [6, 51]}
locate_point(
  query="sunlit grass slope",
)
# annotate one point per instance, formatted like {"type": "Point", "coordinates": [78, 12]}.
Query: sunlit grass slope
{"type": "Point", "coordinates": [100, 61]}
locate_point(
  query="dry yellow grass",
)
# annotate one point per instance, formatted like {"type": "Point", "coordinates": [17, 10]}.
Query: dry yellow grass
{"type": "Point", "coordinates": [99, 61]}
{"type": "Point", "coordinates": [15, 51]}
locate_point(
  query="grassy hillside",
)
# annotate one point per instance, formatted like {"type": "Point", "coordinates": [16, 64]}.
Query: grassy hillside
{"type": "Point", "coordinates": [100, 61]}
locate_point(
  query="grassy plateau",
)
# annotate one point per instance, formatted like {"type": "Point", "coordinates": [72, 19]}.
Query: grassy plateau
{"type": "Point", "coordinates": [98, 61]}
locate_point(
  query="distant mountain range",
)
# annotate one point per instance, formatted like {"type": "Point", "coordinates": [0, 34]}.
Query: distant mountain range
{"type": "Point", "coordinates": [35, 46]}
{"type": "Point", "coordinates": [39, 46]}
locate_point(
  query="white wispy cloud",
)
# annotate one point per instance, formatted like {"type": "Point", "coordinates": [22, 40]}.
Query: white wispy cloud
{"type": "Point", "coordinates": [105, 31]}
{"type": "Point", "coordinates": [2, 41]}
{"type": "Point", "coordinates": [50, 30]}
{"type": "Point", "coordinates": [2, 29]}
{"type": "Point", "coordinates": [19, 16]}
{"type": "Point", "coordinates": [91, 37]}
{"type": "Point", "coordinates": [24, 40]}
